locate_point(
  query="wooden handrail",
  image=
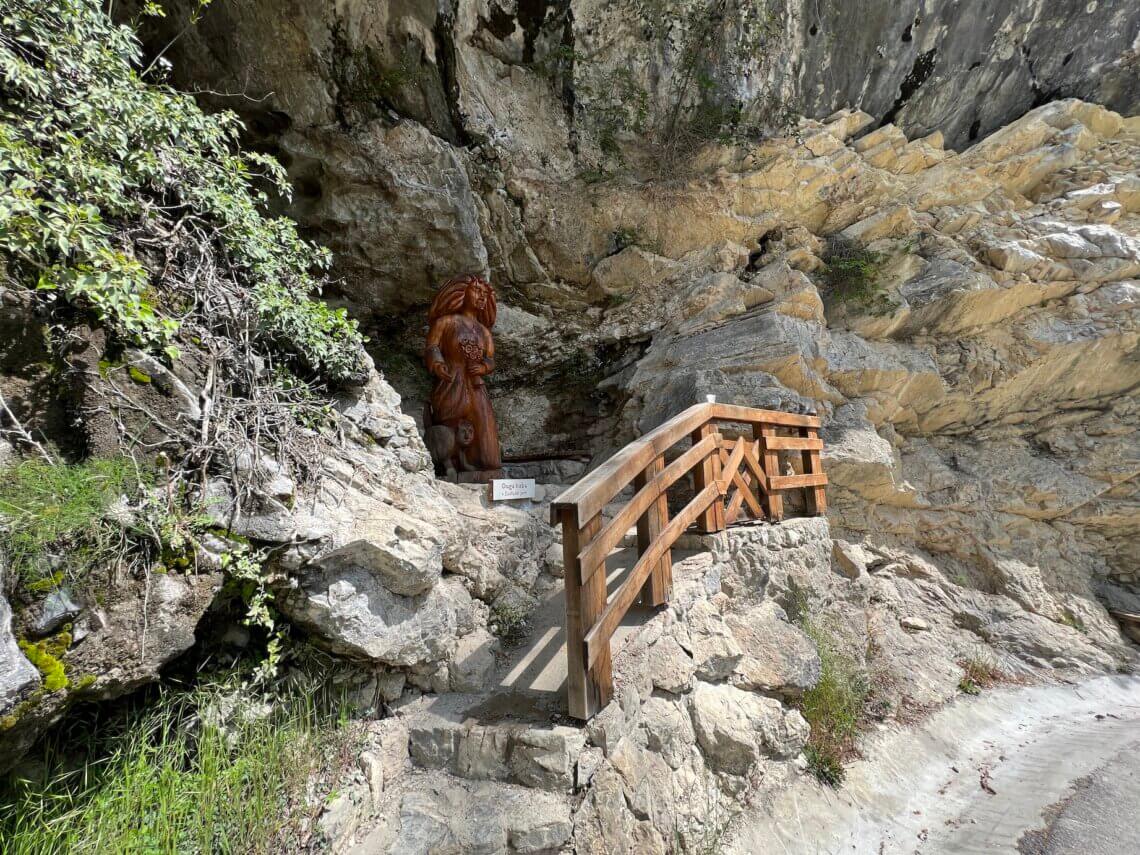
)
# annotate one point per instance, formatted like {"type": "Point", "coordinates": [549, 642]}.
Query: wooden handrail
{"type": "Point", "coordinates": [742, 473]}
{"type": "Point", "coordinates": [625, 595]}
{"type": "Point", "coordinates": [612, 533]}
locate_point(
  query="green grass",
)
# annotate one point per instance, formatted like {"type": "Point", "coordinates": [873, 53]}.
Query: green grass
{"type": "Point", "coordinates": [58, 510]}
{"type": "Point", "coordinates": [836, 706]}
{"type": "Point", "coordinates": [978, 672]}
{"type": "Point", "coordinates": [165, 781]}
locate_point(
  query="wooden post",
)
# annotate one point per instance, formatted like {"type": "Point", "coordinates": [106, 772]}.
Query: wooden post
{"type": "Point", "coordinates": [706, 473]}
{"type": "Point", "coordinates": [587, 690]}
{"type": "Point", "coordinates": [813, 465]}
{"type": "Point", "coordinates": [771, 463]}
{"type": "Point", "coordinates": [659, 585]}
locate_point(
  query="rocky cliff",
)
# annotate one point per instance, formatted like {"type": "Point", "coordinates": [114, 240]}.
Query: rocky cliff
{"type": "Point", "coordinates": [921, 221]}
{"type": "Point", "coordinates": [661, 226]}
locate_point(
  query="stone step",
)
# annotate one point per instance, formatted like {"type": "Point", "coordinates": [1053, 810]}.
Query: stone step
{"type": "Point", "coordinates": [490, 739]}
{"type": "Point", "coordinates": [436, 812]}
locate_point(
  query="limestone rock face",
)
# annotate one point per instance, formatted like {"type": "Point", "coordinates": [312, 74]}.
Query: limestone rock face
{"type": "Point", "coordinates": [356, 614]}
{"type": "Point", "coordinates": [734, 727]}
{"type": "Point", "coordinates": [398, 207]}
{"type": "Point", "coordinates": [18, 676]}
{"type": "Point", "coordinates": [979, 392]}
{"type": "Point", "coordinates": [403, 553]}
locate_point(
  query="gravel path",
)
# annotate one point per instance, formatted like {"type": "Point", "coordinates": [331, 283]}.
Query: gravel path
{"type": "Point", "coordinates": [977, 777]}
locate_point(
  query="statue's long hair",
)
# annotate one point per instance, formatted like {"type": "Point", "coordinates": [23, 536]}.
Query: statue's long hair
{"type": "Point", "coordinates": [453, 294]}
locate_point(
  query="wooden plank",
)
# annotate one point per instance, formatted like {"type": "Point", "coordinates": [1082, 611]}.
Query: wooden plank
{"type": "Point", "coordinates": [790, 482]}
{"type": "Point", "coordinates": [794, 443]}
{"type": "Point", "coordinates": [584, 696]}
{"type": "Point", "coordinates": [655, 591]}
{"type": "Point", "coordinates": [813, 465]}
{"type": "Point", "coordinates": [735, 503]}
{"type": "Point", "coordinates": [590, 495]}
{"type": "Point", "coordinates": [750, 415]}
{"type": "Point", "coordinates": [589, 683]}
{"type": "Point", "coordinates": [593, 554]}
{"type": "Point", "coordinates": [712, 519]}
{"type": "Point", "coordinates": [598, 637]}
{"type": "Point", "coordinates": [730, 463]}
{"type": "Point", "coordinates": [744, 489]}
{"type": "Point", "coordinates": [754, 466]}
{"type": "Point", "coordinates": [770, 462]}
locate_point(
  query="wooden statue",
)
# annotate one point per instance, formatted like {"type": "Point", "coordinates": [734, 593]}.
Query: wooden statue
{"type": "Point", "coordinates": [459, 423]}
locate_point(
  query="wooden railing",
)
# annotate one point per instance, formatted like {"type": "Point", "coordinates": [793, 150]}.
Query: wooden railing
{"type": "Point", "coordinates": [729, 478]}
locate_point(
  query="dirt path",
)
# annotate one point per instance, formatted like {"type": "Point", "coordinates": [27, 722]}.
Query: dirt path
{"type": "Point", "coordinates": [974, 778]}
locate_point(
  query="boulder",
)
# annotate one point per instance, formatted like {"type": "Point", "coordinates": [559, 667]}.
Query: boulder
{"type": "Point", "coordinates": [735, 728]}
{"type": "Point", "coordinates": [708, 639]}
{"type": "Point", "coordinates": [670, 666]}
{"type": "Point", "coordinates": [18, 676]}
{"type": "Point", "coordinates": [353, 612]}
{"type": "Point", "coordinates": [403, 553]}
{"type": "Point", "coordinates": [778, 657]}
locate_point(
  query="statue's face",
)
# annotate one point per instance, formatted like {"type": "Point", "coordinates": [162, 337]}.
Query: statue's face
{"type": "Point", "coordinates": [477, 297]}
{"type": "Point", "coordinates": [465, 433]}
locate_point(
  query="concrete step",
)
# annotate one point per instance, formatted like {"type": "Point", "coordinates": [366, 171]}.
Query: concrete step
{"type": "Point", "coordinates": [494, 738]}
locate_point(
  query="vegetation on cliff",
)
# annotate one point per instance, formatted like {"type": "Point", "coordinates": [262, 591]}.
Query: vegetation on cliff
{"type": "Point", "coordinates": [186, 340]}
{"type": "Point", "coordinates": [177, 777]}
{"type": "Point", "coordinates": [123, 200]}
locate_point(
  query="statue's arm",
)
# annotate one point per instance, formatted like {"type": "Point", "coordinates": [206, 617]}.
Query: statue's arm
{"type": "Point", "coordinates": [433, 355]}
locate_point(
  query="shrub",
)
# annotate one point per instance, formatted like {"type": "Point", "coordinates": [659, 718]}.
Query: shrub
{"type": "Point", "coordinates": [172, 780]}
{"type": "Point", "coordinates": [852, 273]}
{"type": "Point", "coordinates": [122, 199]}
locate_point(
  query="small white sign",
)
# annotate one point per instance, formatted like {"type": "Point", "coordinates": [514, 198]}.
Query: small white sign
{"type": "Point", "coordinates": [505, 489]}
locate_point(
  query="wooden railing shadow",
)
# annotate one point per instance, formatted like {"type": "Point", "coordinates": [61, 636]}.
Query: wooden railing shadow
{"type": "Point", "coordinates": [730, 479]}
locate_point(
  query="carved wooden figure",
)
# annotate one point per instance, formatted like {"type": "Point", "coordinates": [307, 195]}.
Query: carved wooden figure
{"type": "Point", "coordinates": [460, 352]}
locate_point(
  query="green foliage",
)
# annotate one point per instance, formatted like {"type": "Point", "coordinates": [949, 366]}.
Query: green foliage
{"type": "Point", "coordinates": [56, 513]}
{"type": "Point", "coordinates": [248, 573]}
{"type": "Point", "coordinates": [22, 708]}
{"type": "Point", "coordinates": [1070, 620]}
{"type": "Point", "coordinates": [623, 237]}
{"type": "Point", "coordinates": [852, 274]}
{"type": "Point", "coordinates": [170, 780]}
{"type": "Point", "coordinates": [836, 706]}
{"type": "Point", "coordinates": [826, 766]}
{"type": "Point", "coordinates": [113, 191]}
{"type": "Point", "coordinates": [46, 656]}
{"type": "Point", "coordinates": [619, 107]}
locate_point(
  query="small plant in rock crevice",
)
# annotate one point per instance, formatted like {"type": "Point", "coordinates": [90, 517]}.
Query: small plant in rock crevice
{"type": "Point", "coordinates": [979, 671]}
{"type": "Point", "coordinates": [1070, 620]}
{"type": "Point", "coordinates": [836, 706]}
{"type": "Point", "coordinates": [248, 574]}
{"type": "Point", "coordinates": [852, 274]}
{"type": "Point", "coordinates": [508, 622]}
